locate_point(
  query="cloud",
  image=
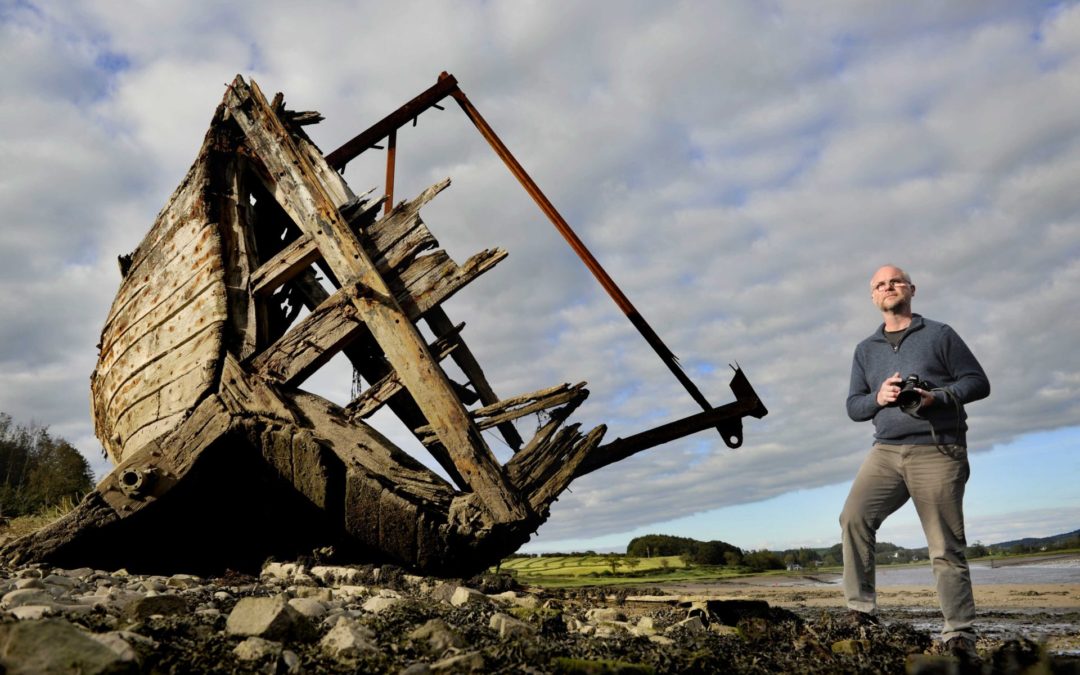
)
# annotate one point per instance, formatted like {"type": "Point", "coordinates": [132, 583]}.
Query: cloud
{"type": "Point", "coordinates": [739, 168]}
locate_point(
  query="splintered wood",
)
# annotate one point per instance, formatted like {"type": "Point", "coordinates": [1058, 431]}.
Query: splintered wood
{"type": "Point", "coordinates": [222, 460]}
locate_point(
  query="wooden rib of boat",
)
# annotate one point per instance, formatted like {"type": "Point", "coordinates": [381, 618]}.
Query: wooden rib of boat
{"type": "Point", "coordinates": [223, 460]}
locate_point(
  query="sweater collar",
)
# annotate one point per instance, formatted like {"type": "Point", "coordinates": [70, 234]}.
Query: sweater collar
{"type": "Point", "coordinates": [916, 324]}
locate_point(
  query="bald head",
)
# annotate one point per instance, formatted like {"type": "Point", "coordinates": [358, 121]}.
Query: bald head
{"type": "Point", "coordinates": [891, 290]}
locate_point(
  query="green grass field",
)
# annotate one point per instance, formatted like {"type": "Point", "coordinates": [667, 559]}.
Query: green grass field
{"type": "Point", "coordinates": [590, 570]}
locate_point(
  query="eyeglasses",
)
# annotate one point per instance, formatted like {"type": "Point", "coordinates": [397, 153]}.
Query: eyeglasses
{"type": "Point", "coordinates": [891, 283]}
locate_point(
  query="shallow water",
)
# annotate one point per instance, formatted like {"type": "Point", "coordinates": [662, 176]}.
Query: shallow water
{"type": "Point", "coordinates": [1049, 572]}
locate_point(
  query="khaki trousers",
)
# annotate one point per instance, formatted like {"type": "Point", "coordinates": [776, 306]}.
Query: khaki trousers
{"type": "Point", "coordinates": [934, 479]}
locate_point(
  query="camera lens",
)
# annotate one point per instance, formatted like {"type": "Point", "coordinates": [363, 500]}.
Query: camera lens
{"type": "Point", "coordinates": [909, 399]}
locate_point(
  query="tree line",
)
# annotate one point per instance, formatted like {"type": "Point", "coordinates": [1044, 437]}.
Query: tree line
{"type": "Point", "coordinates": [714, 552]}
{"type": "Point", "coordinates": [38, 470]}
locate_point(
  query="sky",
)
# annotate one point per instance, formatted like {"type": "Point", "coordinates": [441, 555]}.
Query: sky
{"type": "Point", "coordinates": [739, 168]}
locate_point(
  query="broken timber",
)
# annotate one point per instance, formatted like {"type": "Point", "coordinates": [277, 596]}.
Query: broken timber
{"type": "Point", "coordinates": [222, 460]}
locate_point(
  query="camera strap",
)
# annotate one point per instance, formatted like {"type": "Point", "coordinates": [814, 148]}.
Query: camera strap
{"type": "Point", "coordinates": [956, 407]}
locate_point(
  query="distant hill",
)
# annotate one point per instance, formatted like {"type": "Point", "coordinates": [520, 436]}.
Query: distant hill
{"type": "Point", "coordinates": [1037, 542]}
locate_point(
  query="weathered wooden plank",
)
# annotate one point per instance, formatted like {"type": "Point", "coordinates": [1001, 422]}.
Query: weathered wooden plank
{"type": "Point", "coordinates": [401, 235]}
{"type": "Point", "coordinates": [157, 351]}
{"type": "Point", "coordinates": [136, 404]}
{"type": "Point", "coordinates": [164, 401]}
{"type": "Point", "coordinates": [242, 393]}
{"type": "Point", "coordinates": [380, 392]}
{"type": "Point", "coordinates": [557, 475]}
{"type": "Point", "coordinates": [148, 434]}
{"type": "Point", "coordinates": [519, 406]}
{"type": "Point", "coordinates": [312, 342]}
{"type": "Point", "coordinates": [366, 358]}
{"type": "Point", "coordinates": [432, 282]}
{"type": "Point", "coordinates": [334, 323]}
{"type": "Point", "coordinates": [298, 190]}
{"type": "Point", "coordinates": [290, 261]}
{"type": "Point", "coordinates": [359, 445]}
{"type": "Point", "coordinates": [239, 252]}
{"type": "Point", "coordinates": [440, 323]}
{"type": "Point", "coordinates": [167, 291]}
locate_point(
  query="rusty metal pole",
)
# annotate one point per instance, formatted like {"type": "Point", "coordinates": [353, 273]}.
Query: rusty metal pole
{"type": "Point", "coordinates": [665, 354]}
{"type": "Point", "coordinates": [391, 158]}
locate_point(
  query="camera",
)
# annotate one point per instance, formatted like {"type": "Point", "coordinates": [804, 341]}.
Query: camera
{"type": "Point", "coordinates": [908, 399]}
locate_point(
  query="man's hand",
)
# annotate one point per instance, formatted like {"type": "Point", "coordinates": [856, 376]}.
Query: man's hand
{"type": "Point", "coordinates": [927, 398]}
{"type": "Point", "coordinates": [890, 388]}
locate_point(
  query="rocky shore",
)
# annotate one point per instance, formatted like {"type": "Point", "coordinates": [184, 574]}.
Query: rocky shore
{"type": "Point", "coordinates": [297, 618]}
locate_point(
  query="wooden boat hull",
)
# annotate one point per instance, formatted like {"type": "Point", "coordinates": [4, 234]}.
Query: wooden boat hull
{"type": "Point", "coordinates": [223, 460]}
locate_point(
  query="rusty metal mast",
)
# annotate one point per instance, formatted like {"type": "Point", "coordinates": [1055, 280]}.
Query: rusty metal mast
{"type": "Point", "coordinates": [447, 86]}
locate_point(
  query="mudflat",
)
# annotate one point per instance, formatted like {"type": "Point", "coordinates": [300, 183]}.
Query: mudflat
{"type": "Point", "coordinates": [825, 591]}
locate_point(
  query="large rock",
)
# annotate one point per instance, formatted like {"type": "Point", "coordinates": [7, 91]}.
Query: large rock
{"type": "Point", "coordinates": [509, 627]}
{"type": "Point", "coordinates": [269, 618]}
{"type": "Point", "coordinates": [438, 636]}
{"type": "Point", "coordinates": [348, 640]}
{"type": "Point", "coordinates": [56, 646]}
{"type": "Point", "coordinates": [140, 609]}
{"type": "Point", "coordinates": [467, 596]}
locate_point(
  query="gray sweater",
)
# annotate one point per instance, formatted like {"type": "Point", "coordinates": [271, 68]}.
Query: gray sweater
{"type": "Point", "coordinates": [935, 353]}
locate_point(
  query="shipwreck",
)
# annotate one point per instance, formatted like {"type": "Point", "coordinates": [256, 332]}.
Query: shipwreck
{"type": "Point", "coordinates": [222, 460]}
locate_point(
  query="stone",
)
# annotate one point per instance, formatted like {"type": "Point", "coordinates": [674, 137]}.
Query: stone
{"type": "Point", "coordinates": [351, 592]}
{"type": "Point", "coordinates": [269, 618]}
{"type": "Point", "coordinates": [256, 649]}
{"type": "Point", "coordinates": [465, 596]}
{"type": "Point", "coordinates": [183, 581]}
{"type": "Point", "coordinates": [443, 591]}
{"type": "Point", "coordinates": [291, 661]}
{"type": "Point", "coordinates": [721, 629]}
{"type": "Point", "coordinates": [32, 612]}
{"type": "Point", "coordinates": [472, 662]}
{"type": "Point", "coordinates": [26, 596]}
{"type": "Point", "coordinates": [335, 575]}
{"type": "Point", "coordinates": [29, 582]}
{"type": "Point", "coordinates": [156, 584]}
{"type": "Point", "coordinates": [611, 629]}
{"type": "Point", "coordinates": [117, 643]}
{"type": "Point", "coordinates": [294, 573]}
{"type": "Point", "coordinates": [309, 607]}
{"type": "Point", "coordinates": [61, 581]}
{"type": "Point", "coordinates": [140, 609]}
{"type": "Point", "coordinates": [851, 647]}
{"type": "Point", "coordinates": [323, 595]}
{"type": "Point", "coordinates": [347, 640]}
{"type": "Point", "coordinates": [645, 626]}
{"type": "Point", "coordinates": [438, 635]}
{"type": "Point", "coordinates": [56, 646]}
{"type": "Point", "coordinates": [379, 603]}
{"type": "Point", "coordinates": [600, 614]}
{"type": "Point", "coordinates": [509, 627]}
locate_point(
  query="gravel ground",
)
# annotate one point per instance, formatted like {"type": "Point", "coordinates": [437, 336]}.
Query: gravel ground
{"type": "Point", "coordinates": [297, 618]}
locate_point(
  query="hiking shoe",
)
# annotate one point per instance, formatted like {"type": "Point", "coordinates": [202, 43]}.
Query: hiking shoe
{"type": "Point", "coordinates": [859, 619]}
{"type": "Point", "coordinates": [963, 649]}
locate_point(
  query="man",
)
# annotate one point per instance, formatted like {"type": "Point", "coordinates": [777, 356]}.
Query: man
{"type": "Point", "coordinates": [919, 451]}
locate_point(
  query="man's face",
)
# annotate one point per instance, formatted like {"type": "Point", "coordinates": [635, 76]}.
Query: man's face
{"type": "Point", "coordinates": [890, 290]}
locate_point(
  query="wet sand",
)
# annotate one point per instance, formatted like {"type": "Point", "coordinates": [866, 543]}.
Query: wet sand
{"type": "Point", "coordinates": [825, 591]}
